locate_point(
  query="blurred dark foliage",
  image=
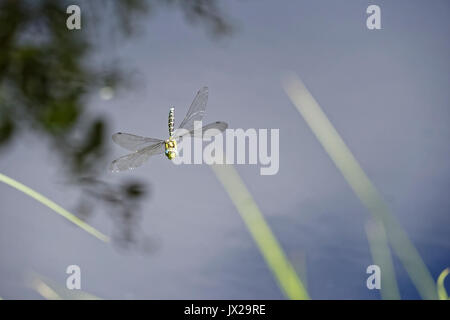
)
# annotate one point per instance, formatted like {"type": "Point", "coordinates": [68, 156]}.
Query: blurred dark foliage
{"type": "Point", "coordinates": [46, 80]}
{"type": "Point", "coordinates": [206, 12]}
{"type": "Point", "coordinates": [120, 203]}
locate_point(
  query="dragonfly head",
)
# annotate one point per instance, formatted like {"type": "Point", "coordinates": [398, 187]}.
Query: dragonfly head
{"type": "Point", "coordinates": [171, 148]}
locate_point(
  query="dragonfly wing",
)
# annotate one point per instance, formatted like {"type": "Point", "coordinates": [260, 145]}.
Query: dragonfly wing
{"type": "Point", "coordinates": [218, 125]}
{"type": "Point", "coordinates": [206, 133]}
{"type": "Point", "coordinates": [132, 142]}
{"type": "Point", "coordinates": [136, 159]}
{"type": "Point", "coordinates": [196, 110]}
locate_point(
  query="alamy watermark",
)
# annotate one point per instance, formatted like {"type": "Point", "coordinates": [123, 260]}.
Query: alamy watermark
{"type": "Point", "coordinates": [74, 280]}
{"type": "Point", "coordinates": [73, 22]}
{"type": "Point", "coordinates": [374, 280]}
{"type": "Point", "coordinates": [234, 146]}
{"type": "Point", "coordinates": [373, 21]}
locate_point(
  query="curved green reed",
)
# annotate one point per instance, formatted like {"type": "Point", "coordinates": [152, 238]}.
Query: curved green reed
{"type": "Point", "coordinates": [361, 185]}
{"type": "Point", "coordinates": [271, 250]}
{"type": "Point", "coordinates": [51, 290]}
{"type": "Point", "coordinates": [55, 207]}
{"type": "Point", "coordinates": [442, 293]}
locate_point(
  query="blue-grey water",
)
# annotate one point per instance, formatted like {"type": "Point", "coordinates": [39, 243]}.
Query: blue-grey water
{"type": "Point", "coordinates": [385, 91]}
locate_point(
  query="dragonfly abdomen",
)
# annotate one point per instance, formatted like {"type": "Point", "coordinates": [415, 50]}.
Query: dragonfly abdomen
{"type": "Point", "coordinates": [171, 121]}
{"type": "Point", "coordinates": [171, 144]}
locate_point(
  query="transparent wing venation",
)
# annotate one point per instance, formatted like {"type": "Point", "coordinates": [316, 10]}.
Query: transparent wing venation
{"type": "Point", "coordinates": [206, 133]}
{"type": "Point", "coordinates": [143, 148]}
{"type": "Point", "coordinates": [196, 110]}
{"type": "Point", "coordinates": [133, 142]}
{"type": "Point", "coordinates": [136, 159]}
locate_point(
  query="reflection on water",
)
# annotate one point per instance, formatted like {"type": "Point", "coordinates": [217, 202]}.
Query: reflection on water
{"type": "Point", "coordinates": [45, 83]}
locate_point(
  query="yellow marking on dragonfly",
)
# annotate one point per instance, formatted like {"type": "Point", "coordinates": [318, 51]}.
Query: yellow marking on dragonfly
{"type": "Point", "coordinates": [171, 143]}
{"type": "Point", "coordinates": [143, 147]}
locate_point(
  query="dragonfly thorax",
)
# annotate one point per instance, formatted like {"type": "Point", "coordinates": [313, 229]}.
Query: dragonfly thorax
{"type": "Point", "coordinates": [143, 147]}
{"type": "Point", "coordinates": [171, 144]}
{"type": "Point", "coordinates": [171, 148]}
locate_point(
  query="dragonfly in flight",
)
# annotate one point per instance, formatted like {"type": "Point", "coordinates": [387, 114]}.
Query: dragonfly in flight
{"type": "Point", "coordinates": [143, 148]}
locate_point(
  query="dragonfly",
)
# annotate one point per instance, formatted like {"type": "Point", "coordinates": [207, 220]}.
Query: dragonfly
{"type": "Point", "coordinates": [143, 148]}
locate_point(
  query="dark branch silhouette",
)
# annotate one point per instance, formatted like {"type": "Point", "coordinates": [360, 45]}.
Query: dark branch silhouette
{"type": "Point", "coordinates": [45, 82]}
